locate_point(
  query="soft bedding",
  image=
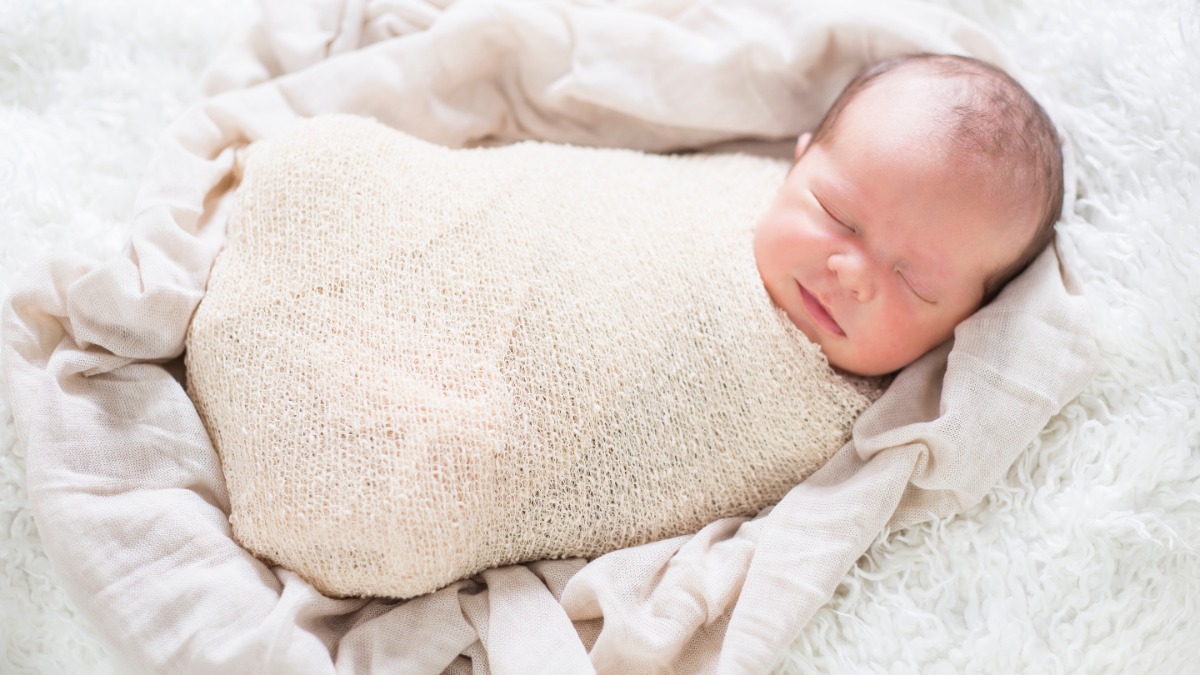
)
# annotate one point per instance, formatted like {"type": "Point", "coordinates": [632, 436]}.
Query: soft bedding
{"type": "Point", "coordinates": [181, 494]}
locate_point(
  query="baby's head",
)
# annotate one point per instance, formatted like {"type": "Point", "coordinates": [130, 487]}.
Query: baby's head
{"type": "Point", "coordinates": [930, 183]}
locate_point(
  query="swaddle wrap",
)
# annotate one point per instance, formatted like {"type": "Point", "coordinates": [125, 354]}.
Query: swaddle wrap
{"type": "Point", "coordinates": [417, 363]}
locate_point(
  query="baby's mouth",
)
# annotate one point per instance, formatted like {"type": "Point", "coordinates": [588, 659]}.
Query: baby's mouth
{"type": "Point", "coordinates": [818, 313]}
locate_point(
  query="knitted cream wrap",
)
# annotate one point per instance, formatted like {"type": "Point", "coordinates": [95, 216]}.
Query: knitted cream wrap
{"type": "Point", "coordinates": [417, 363]}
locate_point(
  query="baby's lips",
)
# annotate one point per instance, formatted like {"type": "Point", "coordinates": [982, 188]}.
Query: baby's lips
{"type": "Point", "coordinates": [819, 314]}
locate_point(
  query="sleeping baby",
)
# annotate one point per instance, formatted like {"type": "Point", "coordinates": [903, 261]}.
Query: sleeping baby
{"type": "Point", "coordinates": [930, 183]}
{"type": "Point", "coordinates": [418, 363]}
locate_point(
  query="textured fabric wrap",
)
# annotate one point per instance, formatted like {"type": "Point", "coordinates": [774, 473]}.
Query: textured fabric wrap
{"type": "Point", "coordinates": [417, 363]}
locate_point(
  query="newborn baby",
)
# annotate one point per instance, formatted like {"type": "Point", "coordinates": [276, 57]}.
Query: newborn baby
{"type": "Point", "coordinates": [419, 363]}
{"type": "Point", "coordinates": [930, 183]}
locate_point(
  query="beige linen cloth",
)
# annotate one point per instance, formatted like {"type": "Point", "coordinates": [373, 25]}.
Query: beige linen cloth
{"type": "Point", "coordinates": [127, 490]}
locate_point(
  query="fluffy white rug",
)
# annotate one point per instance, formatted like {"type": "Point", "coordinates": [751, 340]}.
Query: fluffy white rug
{"type": "Point", "coordinates": [1085, 559]}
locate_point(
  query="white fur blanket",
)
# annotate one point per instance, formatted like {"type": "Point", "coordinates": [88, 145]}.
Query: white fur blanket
{"type": "Point", "coordinates": [1083, 559]}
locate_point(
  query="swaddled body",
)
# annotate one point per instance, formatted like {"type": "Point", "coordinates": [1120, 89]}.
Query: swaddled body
{"type": "Point", "coordinates": [418, 363]}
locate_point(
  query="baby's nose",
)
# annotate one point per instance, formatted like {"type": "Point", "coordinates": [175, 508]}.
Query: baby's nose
{"type": "Point", "coordinates": [854, 274]}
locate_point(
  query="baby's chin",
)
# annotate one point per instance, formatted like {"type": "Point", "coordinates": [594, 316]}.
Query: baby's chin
{"type": "Point", "coordinates": [842, 355]}
{"type": "Point", "coordinates": [865, 365]}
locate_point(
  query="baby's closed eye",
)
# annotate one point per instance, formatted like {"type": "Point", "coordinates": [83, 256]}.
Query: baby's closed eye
{"type": "Point", "coordinates": [912, 287]}
{"type": "Point", "coordinates": [833, 215]}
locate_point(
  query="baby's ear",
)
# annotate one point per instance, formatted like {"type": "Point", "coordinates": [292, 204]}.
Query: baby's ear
{"type": "Point", "coordinates": [802, 144]}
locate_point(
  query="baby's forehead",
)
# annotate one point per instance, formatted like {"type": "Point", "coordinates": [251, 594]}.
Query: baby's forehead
{"type": "Point", "coordinates": [908, 145]}
{"type": "Point", "coordinates": [908, 112]}
{"type": "Point", "coordinates": [953, 117]}
{"type": "Point", "coordinates": [920, 98]}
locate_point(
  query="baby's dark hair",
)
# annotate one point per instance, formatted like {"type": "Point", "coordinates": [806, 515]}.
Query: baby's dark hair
{"type": "Point", "coordinates": [994, 116]}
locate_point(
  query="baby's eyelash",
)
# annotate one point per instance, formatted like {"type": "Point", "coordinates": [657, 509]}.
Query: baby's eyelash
{"type": "Point", "coordinates": [833, 217]}
{"type": "Point", "coordinates": [913, 289]}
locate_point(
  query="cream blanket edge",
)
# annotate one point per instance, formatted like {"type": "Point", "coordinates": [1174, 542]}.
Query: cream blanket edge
{"type": "Point", "coordinates": [124, 483]}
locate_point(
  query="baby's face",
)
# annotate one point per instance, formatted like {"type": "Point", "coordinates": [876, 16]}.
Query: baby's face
{"type": "Point", "coordinates": [881, 238]}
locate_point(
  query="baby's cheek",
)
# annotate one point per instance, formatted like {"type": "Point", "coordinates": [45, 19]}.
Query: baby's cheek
{"type": "Point", "coordinates": [775, 247]}
{"type": "Point", "coordinates": [893, 340]}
